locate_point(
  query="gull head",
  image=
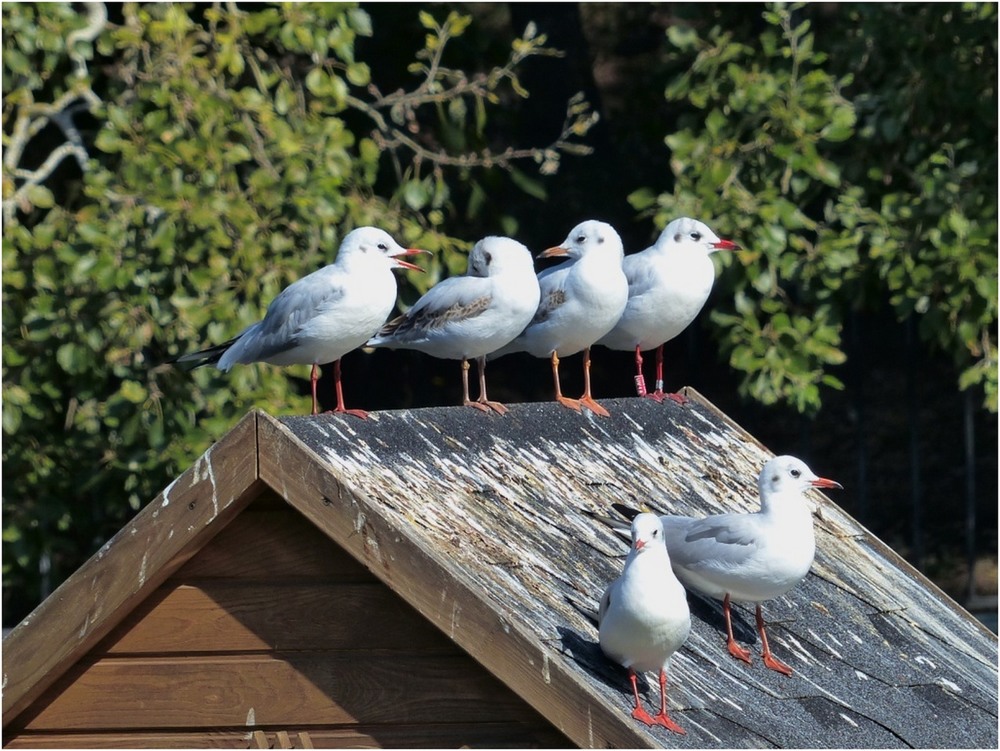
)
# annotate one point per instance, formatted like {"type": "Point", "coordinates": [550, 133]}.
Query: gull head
{"type": "Point", "coordinates": [587, 237]}
{"type": "Point", "coordinates": [686, 234]}
{"type": "Point", "coordinates": [372, 242]}
{"type": "Point", "coordinates": [497, 255]}
{"type": "Point", "coordinates": [789, 476]}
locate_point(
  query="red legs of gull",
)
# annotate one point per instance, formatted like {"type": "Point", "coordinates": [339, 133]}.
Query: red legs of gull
{"type": "Point", "coordinates": [643, 716]}
{"type": "Point", "coordinates": [340, 409]}
{"type": "Point", "coordinates": [658, 395]}
{"type": "Point", "coordinates": [769, 659]}
{"type": "Point", "coordinates": [734, 649]}
{"type": "Point", "coordinates": [482, 402]}
{"type": "Point", "coordinates": [587, 400]}
{"type": "Point", "coordinates": [563, 400]}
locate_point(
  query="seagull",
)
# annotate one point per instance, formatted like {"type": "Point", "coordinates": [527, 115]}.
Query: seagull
{"type": "Point", "coordinates": [749, 557]}
{"type": "Point", "coordinates": [668, 284]}
{"type": "Point", "coordinates": [644, 617]}
{"type": "Point", "coordinates": [472, 315]}
{"type": "Point", "coordinates": [581, 300]}
{"type": "Point", "coordinates": [324, 315]}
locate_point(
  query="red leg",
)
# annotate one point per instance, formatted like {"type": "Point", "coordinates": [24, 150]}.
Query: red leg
{"type": "Point", "coordinates": [340, 408]}
{"type": "Point", "coordinates": [640, 380]}
{"type": "Point", "coordinates": [563, 400]}
{"type": "Point", "coordinates": [662, 718]}
{"type": "Point", "coordinates": [587, 400]}
{"type": "Point", "coordinates": [734, 649]}
{"type": "Point", "coordinates": [769, 659]}
{"type": "Point", "coordinates": [678, 398]}
{"type": "Point", "coordinates": [638, 713]}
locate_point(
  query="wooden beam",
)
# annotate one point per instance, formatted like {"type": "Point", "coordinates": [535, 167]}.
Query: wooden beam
{"type": "Point", "coordinates": [440, 591]}
{"type": "Point", "coordinates": [165, 534]}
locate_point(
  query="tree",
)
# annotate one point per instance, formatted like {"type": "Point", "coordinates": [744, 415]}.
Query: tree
{"type": "Point", "coordinates": [842, 167]}
{"type": "Point", "coordinates": [200, 158]}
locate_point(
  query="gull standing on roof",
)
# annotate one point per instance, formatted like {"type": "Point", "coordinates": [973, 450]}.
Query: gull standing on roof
{"type": "Point", "coordinates": [470, 316]}
{"type": "Point", "coordinates": [668, 285]}
{"type": "Point", "coordinates": [581, 300]}
{"type": "Point", "coordinates": [749, 557]}
{"type": "Point", "coordinates": [644, 617]}
{"type": "Point", "coordinates": [324, 315]}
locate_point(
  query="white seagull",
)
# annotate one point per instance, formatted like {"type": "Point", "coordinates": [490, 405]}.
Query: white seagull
{"type": "Point", "coordinates": [750, 557]}
{"type": "Point", "coordinates": [473, 315]}
{"type": "Point", "coordinates": [324, 315]}
{"type": "Point", "coordinates": [581, 300]}
{"type": "Point", "coordinates": [668, 285]}
{"type": "Point", "coordinates": [644, 617]}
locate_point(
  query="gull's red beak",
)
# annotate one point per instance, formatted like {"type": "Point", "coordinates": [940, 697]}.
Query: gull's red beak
{"type": "Point", "coordinates": [640, 544]}
{"type": "Point", "coordinates": [409, 252]}
{"type": "Point", "coordinates": [822, 482]}
{"type": "Point", "coordinates": [726, 245]}
{"type": "Point", "coordinates": [553, 252]}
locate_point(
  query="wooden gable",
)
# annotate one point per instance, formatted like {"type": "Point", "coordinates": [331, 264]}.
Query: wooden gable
{"type": "Point", "coordinates": [477, 523]}
{"type": "Point", "coordinates": [270, 636]}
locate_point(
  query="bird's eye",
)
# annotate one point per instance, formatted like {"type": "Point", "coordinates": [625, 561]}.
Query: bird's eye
{"type": "Point", "coordinates": [795, 473]}
{"type": "Point", "coordinates": [581, 239]}
{"type": "Point", "coordinates": [696, 236]}
{"type": "Point", "coordinates": [383, 247]}
{"type": "Point", "coordinates": [656, 533]}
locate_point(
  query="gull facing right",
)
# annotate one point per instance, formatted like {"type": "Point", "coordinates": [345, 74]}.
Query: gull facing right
{"type": "Point", "coordinates": [750, 557]}
{"type": "Point", "coordinates": [322, 316]}
{"type": "Point", "coordinates": [668, 285]}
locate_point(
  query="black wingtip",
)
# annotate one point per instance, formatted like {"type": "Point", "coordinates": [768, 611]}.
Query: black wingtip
{"type": "Point", "coordinates": [627, 511]}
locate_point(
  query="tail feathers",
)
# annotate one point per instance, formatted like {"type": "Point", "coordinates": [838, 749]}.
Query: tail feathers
{"type": "Point", "coordinates": [208, 356]}
{"type": "Point", "coordinates": [586, 611]}
{"type": "Point", "coordinates": [626, 511]}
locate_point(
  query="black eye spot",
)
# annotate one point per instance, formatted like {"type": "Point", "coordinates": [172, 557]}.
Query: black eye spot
{"type": "Point", "coordinates": [677, 237]}
{"type": "Point", "coordinates": [581, 239]}
{"type": "Point", "coordinates": [600, 239]}
{"type": "Point", "coordinates": [383, 247]}
{"type": "Point", "coordinates": [488, 257]}
{"type": "Point", "coordinates": [656, 533]}
{"type": "Point", "coordinates": [795, 473]}
{"type": "Point", "coordinates": [696, 236]}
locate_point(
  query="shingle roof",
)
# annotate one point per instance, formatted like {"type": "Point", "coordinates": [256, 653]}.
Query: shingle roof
{"type": "Point", "coordinates": [479, 522]}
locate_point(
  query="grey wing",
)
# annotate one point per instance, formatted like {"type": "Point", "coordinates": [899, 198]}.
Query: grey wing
{"type": "Point", "coordinates": [455, 299]}
{"type": "Point", "coordinates": [605, 603]}
{"type": "Point", "coordinates": [552, 286]}
{"type": "Point", "coordinates": [292, 309]}
{"type": "Point", "coordinates": [724, 540]}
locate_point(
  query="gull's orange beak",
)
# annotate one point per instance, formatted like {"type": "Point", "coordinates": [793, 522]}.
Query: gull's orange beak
{"type": "Point", "coordinates": [553, 252]}
{"type": "Point", "coordinates": [822, 482]}
{"type": "Point", "coordinates": [409, 252]}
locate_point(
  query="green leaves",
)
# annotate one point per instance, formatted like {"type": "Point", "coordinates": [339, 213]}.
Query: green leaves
{"type": "Point", "coordinates": [837, 199]}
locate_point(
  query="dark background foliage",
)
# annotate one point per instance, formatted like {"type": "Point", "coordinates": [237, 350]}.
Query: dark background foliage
{"type": "Point", "coordinates": [214, 153]}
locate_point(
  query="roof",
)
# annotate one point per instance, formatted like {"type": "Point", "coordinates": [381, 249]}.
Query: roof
{"type": "Point", "coordinates": [479, 523]}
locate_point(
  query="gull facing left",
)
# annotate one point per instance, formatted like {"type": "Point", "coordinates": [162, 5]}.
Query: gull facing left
{"type": "Point", "coordinates": [470, 316]}
{"type": "Point", "coordinates": [581, 300]}
{"type": "Point", "coordinates": [644, 616]}
{"type": "Point", "coordinates": [322, 316]}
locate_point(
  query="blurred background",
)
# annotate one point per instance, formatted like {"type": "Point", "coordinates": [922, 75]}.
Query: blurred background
{"type": "Point", "coordinates": [169, 168]}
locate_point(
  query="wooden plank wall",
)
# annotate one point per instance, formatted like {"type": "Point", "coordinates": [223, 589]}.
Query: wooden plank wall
{"type": "Point", "coordinates": [274, 636]}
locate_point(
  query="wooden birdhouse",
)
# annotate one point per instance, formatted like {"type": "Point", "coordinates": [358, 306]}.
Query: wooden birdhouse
{"type": "Point", "coordinates": [419, 579]}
